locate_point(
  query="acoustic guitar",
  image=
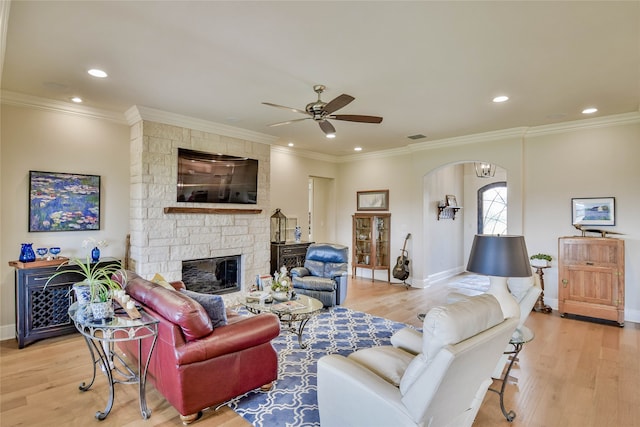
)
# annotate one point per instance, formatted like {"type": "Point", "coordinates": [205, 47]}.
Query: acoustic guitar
{"type": "Point", "coordinates": [401, 270]}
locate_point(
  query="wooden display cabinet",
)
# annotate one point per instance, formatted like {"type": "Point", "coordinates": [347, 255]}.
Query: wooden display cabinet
{"type": "Point", "coordinates": [591, 277]}
{"type": "Point", "coordinates": [371, 243]}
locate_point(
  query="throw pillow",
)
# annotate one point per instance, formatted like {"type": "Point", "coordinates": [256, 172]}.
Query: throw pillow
{"type": "Point", "coordinates": [159, 280]}
{"type": "Point", "coordinates": [213, 305]}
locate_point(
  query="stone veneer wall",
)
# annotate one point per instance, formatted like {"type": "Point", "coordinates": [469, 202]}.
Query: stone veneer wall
{"type": "Point", "coordinates": [159, 241]}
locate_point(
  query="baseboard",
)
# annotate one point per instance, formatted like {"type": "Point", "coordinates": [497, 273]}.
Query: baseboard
{"type": "Point", "coordinates": [444, 275]}
{"type": "Point", "coordinates": [7, 332]}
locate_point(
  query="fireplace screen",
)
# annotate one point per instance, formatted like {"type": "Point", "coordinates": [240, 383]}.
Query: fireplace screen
{"type": "Point", "coordinates": [212, 275]}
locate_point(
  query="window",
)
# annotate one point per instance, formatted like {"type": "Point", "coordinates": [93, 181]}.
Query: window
{"type": "Point", "coordinates": [492, 208]}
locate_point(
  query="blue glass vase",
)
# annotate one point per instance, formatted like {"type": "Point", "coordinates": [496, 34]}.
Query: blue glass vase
{"type": "Point", "coordinates": [26, 253]}
{"type": "Point", "coordinates": [95, 254]}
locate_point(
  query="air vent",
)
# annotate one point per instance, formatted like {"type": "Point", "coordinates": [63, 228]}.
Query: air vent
{"type": "Point", "coordinates": [417, 136]}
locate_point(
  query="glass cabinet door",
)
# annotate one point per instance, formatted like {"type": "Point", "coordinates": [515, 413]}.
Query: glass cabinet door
{"type": "Point", "coordinates": [363, 240]}
{"type": "Point", "coordinates": [382, 241]}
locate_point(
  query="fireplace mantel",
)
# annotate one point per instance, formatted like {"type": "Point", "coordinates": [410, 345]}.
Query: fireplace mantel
{"type": "Point", "coordinates": [216, 211]}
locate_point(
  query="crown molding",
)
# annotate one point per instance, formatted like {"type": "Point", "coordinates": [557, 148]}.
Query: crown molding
{"type": "Point", "coordinates": [306, 154]}
{"type": "Point", "coordinates": [596, 122]}
{"type": "Point", "coordinates": [139, 112]}
{"type": "Point", "coordinates": [23, 100]}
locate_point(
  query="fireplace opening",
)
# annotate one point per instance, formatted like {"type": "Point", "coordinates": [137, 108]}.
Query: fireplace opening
{"type": "Point", "coordinates": [212, 275]}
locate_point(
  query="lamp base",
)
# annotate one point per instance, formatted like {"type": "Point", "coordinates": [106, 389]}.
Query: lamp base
{"type": "Point", "coordinates": [498, 288]}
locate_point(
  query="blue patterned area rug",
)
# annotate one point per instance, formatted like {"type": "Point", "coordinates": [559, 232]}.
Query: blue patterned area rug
{"type": "Point", "coordinates": [293, 401]}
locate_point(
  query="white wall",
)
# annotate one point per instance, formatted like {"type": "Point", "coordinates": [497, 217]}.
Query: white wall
{"type": "Point", "coordinates": [44, 140]}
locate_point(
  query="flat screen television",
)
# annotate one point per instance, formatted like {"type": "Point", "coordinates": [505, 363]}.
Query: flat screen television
{"type": "Point", "coordinates": [216, 178]}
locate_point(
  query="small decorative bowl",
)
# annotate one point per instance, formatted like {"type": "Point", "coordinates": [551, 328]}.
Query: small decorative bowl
{"type": "Point", "coordinates": [280, 296]}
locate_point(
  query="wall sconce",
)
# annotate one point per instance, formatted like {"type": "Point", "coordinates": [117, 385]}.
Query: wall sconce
{"type": "Point", "coordinates": [485, 170]}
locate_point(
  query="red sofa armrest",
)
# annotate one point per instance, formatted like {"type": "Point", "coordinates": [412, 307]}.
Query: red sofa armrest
{"type": "Point", "coordinates": [231, 338]}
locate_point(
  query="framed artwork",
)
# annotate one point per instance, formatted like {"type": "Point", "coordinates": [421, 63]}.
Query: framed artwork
{"type": "Point", "coordinates": [374, 200]}
{"type": "Point", "coordinates": [63, 201]}
{"type": "Point", "coordinates": [451, 201]}
{"type": "Point", "coordinates": [593, 211]}
{"type": "Point", "coordinates": [264, 282]}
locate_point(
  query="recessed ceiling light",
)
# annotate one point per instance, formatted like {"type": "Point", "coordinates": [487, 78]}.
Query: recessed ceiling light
{"type": "Point", "coordinates": [589, 110]}
{"type": "Point", "coordinates": [76, 99]}
{"type": "Point", "coordinates": [97, 73]}
{"type": "Point", "coordinates": [501, 98]}
{"type": "Point", "coordinates": [331, 135]}
{"type": "Point", "coordinates": [290, 144]}
{"type": "Point", "coordinates": [357, 149]}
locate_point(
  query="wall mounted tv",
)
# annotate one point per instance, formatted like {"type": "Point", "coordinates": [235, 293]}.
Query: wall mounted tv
{"type": "Point", "coordinates": [216, 178]}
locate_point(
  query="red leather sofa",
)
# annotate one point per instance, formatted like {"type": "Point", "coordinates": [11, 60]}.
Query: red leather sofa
{"type": "Point", "coordinates": [193, 365]}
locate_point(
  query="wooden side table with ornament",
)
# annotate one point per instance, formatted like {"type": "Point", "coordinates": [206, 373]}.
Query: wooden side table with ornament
{"type": "Point", "coordinates": [540, 306]}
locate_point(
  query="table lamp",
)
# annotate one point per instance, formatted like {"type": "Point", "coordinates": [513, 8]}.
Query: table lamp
{"type": "Point", "coordinates": [500, 257]}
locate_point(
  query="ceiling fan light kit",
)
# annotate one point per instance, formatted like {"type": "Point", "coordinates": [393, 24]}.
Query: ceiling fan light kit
{"type": "Point", "coordinates": [321, 111]}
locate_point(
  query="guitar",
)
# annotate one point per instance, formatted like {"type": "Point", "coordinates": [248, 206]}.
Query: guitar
{"type": "Point", "coordinates": [401, 270]}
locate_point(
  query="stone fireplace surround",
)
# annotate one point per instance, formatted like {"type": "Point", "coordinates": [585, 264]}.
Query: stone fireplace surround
{"type": "Point", "coordinates": [160, 241]}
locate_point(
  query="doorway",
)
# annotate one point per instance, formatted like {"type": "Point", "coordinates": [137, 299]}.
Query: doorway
{"type": "Point", "coordinates": [322, 210]}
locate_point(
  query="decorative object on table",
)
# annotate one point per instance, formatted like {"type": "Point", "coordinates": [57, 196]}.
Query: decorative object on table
{"type": "Point", "coordinates": [297, 234]}
{"type": "Point", "coordinates": [55, 251]}
{"type": "Point", "coordinates": [264, 282]}
{"type": "Point", "coordinates": [95, 245]}
{"type": "Point", "coordinates": [540, 260]}
{"type": "Point", "coordinates": [97, 284]}
{"type": "Point", "coordinates": [602, 233]}
{"type": "Point", "coordinates": [26, 253]}
{"type": "Point", "coordinates": [593, 211]}
{"type": "Point", "coordinates": [281, 287]}
{"type": "Point", "coordinates": [63, 201]}
{"type": "Point", "coordinates": [278, 227]}
{"type": "Point", "coordinates": [500, 257]}
{"type": "Point", "coordinates": [42, 252]}
{"type": "Point", "coordinates": [372, 200]}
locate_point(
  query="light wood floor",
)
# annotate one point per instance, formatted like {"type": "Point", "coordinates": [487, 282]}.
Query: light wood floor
{"type": "Point", "coordinates": [574, 373]}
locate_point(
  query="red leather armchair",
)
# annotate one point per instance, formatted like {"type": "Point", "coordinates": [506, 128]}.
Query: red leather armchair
{"type": "Point", "coordinates": [195, 366]}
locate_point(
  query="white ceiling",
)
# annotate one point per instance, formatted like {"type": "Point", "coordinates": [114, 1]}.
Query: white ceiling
{"type": "Point", "coordinates": [428, 68]}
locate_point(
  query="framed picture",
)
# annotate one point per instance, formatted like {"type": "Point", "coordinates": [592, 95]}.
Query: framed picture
{"type": "Point", "coordinates": [451, 201]}
{"type": "Point", "coordinates": [374, 200]}
{"type": "Point", "coordinates": [264, 281]}
{"type": "Point", "coordinates": [63, 201]}
{"type": "Point", "coordinates": [593, 211]}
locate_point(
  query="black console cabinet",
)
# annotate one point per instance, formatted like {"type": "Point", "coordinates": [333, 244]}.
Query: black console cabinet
{"type": "Point", "coordinates": [290, 254]}
{"type": "Point", "coordinates": [41, 312]}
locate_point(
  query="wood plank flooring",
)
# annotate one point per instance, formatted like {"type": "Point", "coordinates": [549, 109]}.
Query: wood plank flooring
{"type": "Point", "coordinates": [575, 373]}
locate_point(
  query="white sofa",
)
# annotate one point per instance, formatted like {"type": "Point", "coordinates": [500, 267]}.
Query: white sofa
{"type": "Point", "coordinates": [525, 290]}
{"type": "Point", "coordinates": [443, 385]}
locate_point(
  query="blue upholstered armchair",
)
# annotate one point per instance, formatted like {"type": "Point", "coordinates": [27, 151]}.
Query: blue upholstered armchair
{"type": "Point", "coordinates": [324, 275]}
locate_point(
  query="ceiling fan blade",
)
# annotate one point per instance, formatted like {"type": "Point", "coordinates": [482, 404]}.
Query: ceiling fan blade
{"type": "Point", "coordinates": [357, 118]}
{"type": "Point", "coordinates": [338, 103]}
{"type": "Point", "coordinates": [295, 110]}
{"type": "Point", "coordinates": [288, 121]}
{"type": "Point", "coordinates": [327, 127]}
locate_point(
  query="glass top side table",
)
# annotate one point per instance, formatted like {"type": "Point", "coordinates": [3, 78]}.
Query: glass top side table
{"type": "Point", "coordinates": [100, 336]}
{"type": "Point", "coordinates": [520, 337]}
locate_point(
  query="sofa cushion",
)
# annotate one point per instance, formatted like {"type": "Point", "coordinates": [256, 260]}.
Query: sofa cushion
{"type": "Point", "coordinates": [386, 361]}
{"type": "Point", "coordinates": [316, 268]}
{"type": "Point", "coordinates": [334, 269]}
{"type": "Point", "coordinates": [213, 305]}
{"type": "Point", "coordinates": [157, 278]}
{"type": "Point", "coordinates": [174, 306]}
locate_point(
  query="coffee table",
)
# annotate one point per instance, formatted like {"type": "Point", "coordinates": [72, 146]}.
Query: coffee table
{"type": "Point", "coordinates": [299, 311]}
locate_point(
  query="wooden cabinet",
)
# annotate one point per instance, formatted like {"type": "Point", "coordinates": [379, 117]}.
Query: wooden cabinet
{"type": "Point", "coordinates": [371, 243]}
{"type": "Point", "coordinates": [591, 277]}
{"type": "Point", "coordinates": [291, 254]}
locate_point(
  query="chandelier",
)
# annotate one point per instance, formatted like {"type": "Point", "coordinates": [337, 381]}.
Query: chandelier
{"type": "Point", "coordinates": [485, 170]}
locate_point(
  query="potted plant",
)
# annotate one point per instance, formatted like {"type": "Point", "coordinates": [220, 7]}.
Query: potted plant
{"type": "Point", "coordinates": [540, 260]}
{"type": "Point", "coordinates": [97, 286]}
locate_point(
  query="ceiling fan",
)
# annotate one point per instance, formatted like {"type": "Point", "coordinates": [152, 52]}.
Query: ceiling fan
{"type": "Point", "coordinates": [321, 112]}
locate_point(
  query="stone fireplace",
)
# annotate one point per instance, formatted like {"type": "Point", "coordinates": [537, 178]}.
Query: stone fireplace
{"type": "Point", "coordinates": [164, 233]}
